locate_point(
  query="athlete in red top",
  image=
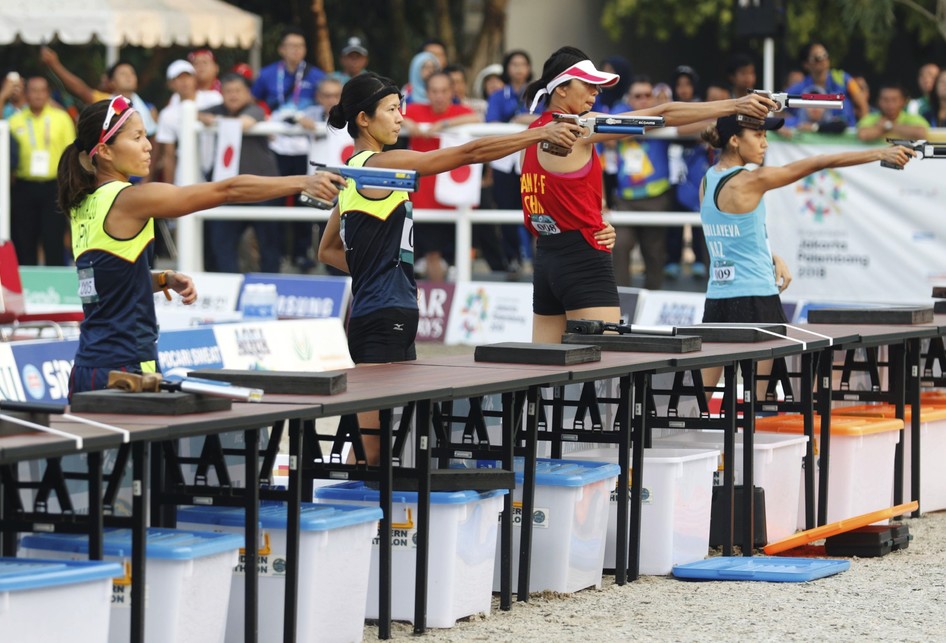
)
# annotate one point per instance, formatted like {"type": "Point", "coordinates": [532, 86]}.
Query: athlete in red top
{"type": "Point", "coordinates": [562, 195]}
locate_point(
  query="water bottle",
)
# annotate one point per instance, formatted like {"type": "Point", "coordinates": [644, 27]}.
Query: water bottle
{"type": "Point", "coordinates": [259, 301]}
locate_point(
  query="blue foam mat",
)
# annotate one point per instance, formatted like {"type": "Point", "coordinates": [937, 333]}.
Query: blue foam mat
{"type": "Point", "coordinates": [776, 569]}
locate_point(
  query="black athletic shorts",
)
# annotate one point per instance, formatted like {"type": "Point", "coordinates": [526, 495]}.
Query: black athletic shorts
{"type": "Point", "coordinates": [569, 274]}
{"type": "Point", "coordinates": [766, 310]}
{"type": "Point", "coordinates": [383, 336]}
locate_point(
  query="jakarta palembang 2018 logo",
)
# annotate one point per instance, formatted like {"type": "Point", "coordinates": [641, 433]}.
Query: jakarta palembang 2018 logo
{"type": "Point", "coordinates": [822, 194]}
{"type": "Point", "coordinates": [474, 312]}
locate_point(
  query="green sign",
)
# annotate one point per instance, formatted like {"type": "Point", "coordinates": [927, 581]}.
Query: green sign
{"type": "Point", "coordinates": [46, 287]}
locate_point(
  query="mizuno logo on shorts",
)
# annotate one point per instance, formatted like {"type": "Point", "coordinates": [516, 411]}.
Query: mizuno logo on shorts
{"type": "Point", "coordinates": [399, 327]}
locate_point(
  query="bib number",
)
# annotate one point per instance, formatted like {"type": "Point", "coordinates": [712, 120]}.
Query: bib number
{"type": "Point", "coordinates": [87, 293]}
{"type": "Point", "coordinates": [544, 224]}
{"type": "Point", "coordinates": [724, 272]}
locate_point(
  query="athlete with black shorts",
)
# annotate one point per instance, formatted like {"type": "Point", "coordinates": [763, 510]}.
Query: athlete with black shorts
{"type": "Point", "coordinates": [370, 232]}
{"type": "Point", "coordinates": [562, 195]}
{"type": "Point", "coordinates": [113, 235]}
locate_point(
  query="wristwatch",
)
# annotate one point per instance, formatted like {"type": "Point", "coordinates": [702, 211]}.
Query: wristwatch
{"type": "Point", "coordinates": [888, 125]}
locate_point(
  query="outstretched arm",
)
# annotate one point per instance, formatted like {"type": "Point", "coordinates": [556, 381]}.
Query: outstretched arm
{"type": "Point", "coordinates": [769, 178]}
{"type": "Point", "coordinates": [75, 85]}
{"type": "Point", "coordinates": [679, 113]}
{"type": "Point", "coordinates": [481, 150]}
{"type": "Point", "coordinates": [166, 201]}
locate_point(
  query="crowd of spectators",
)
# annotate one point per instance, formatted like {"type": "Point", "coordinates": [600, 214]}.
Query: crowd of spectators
{"type": "Point", "coordinates": [640, 174]}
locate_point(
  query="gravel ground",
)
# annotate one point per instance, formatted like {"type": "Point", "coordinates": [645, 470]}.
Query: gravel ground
{"type": "Point", "coordinates": [899, 597]}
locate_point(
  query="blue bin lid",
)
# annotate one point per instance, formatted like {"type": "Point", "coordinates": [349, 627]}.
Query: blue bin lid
{"type": "Point", "coordinates": [357, 491]}
{"type": "Point", "coordinates": [34, 573]}
{"type": "Point", "coordinates": [170, 544]}
{"type": "Point", "coordinates": [568, 473]}
{"type": "Point", "coordinates": [273, 515]}
{"type": "Point", "coordinates": [765, 568]}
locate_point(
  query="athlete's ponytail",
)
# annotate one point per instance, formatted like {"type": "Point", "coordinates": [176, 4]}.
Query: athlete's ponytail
{"type": "Point", "coordinates": [76, 173]}
{"type": "Point", "coordinates": [360, 94]}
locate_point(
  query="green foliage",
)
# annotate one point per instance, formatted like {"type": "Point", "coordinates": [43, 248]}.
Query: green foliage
{"type": "Point", "coordinates": [661, 19]}
{"type": "Point", "coordinates": [836, 23]}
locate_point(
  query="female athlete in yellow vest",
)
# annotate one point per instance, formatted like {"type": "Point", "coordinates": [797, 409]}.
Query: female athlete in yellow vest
{"type": "Point", "coordinates": [113, 235]}
{"type": "Point", "coordinates": [370, 232]}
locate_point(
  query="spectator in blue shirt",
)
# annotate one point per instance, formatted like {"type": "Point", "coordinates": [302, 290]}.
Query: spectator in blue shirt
{"type": "Point", "coordinates": [817, 63]}
{"type": "Point", "coordinates": [288, 87]}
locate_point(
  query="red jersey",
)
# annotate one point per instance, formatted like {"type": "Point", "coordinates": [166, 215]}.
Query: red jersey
{"type": "Point", "coordinates": [422, 113]}
{"type": "Point", "coordinates": [554, 203]}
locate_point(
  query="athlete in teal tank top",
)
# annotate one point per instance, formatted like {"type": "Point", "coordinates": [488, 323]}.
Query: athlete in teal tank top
{"type": "Point", "coordinates": [746, 277]}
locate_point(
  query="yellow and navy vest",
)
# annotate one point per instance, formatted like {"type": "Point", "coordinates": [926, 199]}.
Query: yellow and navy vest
{"type": "Point", "coordinates": [379, 246]}
{"type": "Point", "coordinates": [120, 328]}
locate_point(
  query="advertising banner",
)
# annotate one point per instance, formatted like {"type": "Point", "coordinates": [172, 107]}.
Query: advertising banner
{"type": "Point", "coordinates": [289, 345]}
{"type": "Point", "coordinates": [307, 296]}
{"type": "Point", "coordinates": [488, 312]}
{"type": "Point", "coordinates": [44, 368]}
{"type": "Point", "coordinates": [863, 233]}
{"type": "Point", "coordinates": [434, 301]}
{"type": "Point", "coordinates": [217, 296]}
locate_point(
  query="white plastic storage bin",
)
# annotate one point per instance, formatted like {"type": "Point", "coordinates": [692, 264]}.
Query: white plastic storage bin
{"type": "Point", "coordinates": [932, 449]}
{"type": "Point", "coordinates": [187, 580]}
{"type": "Point", "coordinates": [55, 600]}
{"type": "Point", "coordinates": [463, 530]}
{"type": "Point", "coordinates": [676, 506]}
{"type": "Point", "coordinates": [334, 557]}
{"type": "Point", "coordinates": [861, 461]}
{"type": "Point", "coordinates": [777, 459]}
{"type": "Point", "coordinates": [569, 524]}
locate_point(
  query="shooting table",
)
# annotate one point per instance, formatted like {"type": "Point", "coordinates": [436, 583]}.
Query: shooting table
{"type": "Point", "coordinates": [423, 387]}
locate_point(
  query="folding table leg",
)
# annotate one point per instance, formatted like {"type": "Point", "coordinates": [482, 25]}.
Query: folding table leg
{"type": "Point", "coordinates": [624, 462]}
{"type": "Point", "coordinates": [505, 523]}
{"type": "Point", "coordinates": [251, 555]}
{"type": "Point", "coordinates": [528, 493]}
{"type": "Point", "coordinates": [422, 466]}
{"type": "Point", "coordinates": [387, 487]}
{"type": "Point", "coordinates": [139, 535]}
{"type": "Point", "coordinates": [293, 514]}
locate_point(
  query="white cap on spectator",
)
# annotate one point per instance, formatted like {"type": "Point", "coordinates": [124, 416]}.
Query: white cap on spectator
{"type": "Point", "coordinates": [354, 46]}
{"type": "Point", "coordinates": [179, 67]}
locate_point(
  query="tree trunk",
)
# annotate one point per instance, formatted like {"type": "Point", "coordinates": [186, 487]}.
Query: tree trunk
{"type": "Point", "coordinates": [488, 46]}
{"type": "Point", "coordinates": [445, 29]}
{"type": "Point", "coordinates": [323, 41]}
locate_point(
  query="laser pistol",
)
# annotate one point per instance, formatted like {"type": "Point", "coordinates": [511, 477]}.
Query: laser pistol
{"type": "Point", "coordinates": [597, 327]}
{"type": "Point", "coordinates": [627, 125]}
{"type": "Point", "coordinates": [923, 149]}
{"type": "Point", "coordinates": [785, 100]}
{"type": "Point", "coordinates": [154, 382]}
{"type": "Point", "coordinates": [364, 177]}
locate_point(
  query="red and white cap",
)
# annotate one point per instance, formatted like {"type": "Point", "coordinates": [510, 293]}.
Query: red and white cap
{"type": "Point", "coordinates": [584, 71]}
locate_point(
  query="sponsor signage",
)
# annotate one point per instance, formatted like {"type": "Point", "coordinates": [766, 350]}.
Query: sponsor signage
{"type": "Point", "coordinates": [44, 368]}
{"type": "Point", "coordinates": [434, 301]}
{"type": "Point", "coordinates": [306, 296]}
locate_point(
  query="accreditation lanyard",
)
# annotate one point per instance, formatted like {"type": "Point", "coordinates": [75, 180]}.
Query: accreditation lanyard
{"type": "Point", "coordinates": [46, 132]}
{"type": "Point", "coordinates": [39, 158]}
{"type": "Point", "coordinates": [297, 84]}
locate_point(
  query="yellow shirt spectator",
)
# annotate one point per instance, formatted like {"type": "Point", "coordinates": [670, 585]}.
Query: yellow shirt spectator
{"type": "Point", "coordinates": [41, 139]}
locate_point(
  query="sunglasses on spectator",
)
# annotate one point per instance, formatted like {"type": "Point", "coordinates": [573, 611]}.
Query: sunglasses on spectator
{"type": "Point", "coordinates": [119, 106]}
{"type": "Point", "coordinates": [817, 58]}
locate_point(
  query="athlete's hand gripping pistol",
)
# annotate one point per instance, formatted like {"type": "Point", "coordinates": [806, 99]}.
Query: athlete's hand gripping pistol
{"type": "Point", "coordinates": [627, 125]}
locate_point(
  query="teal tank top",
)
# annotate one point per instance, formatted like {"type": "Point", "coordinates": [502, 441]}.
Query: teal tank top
{"type": "Point", "coordinates": [740, 257]}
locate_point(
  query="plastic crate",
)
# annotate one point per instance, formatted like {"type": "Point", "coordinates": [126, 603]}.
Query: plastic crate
{"type": "Point", "coordinates": [334, 557]}
{"type": "Point", "coordinates": [55, 600]}
{"type": "Point", "coordinates": [187, 580]}
{"type": "Point", "coordinates": [463, 530]}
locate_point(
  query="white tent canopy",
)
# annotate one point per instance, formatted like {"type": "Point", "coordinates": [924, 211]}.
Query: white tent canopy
{"type": "Point", "coordinates": [115, 23]}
